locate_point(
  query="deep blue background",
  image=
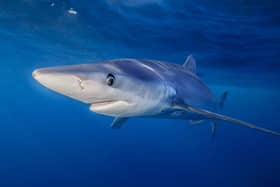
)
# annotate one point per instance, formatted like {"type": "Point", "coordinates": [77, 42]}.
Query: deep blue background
{"type": "Point", "coordinates": [49, 140]}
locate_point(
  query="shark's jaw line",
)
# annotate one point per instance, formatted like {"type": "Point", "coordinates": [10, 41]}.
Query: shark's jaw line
{"type": "Point", "coordinates": [110, 107]}
{"type": "Point", "coordinates": [107, 103]}
{"type": "Point", "coordinates": [104, 102]}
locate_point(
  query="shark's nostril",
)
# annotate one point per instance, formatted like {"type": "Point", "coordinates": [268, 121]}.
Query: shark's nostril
{"type": "Point", "coordinates": [80, 82]}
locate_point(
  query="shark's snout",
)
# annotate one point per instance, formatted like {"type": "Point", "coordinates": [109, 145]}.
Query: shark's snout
{"type": "Point", "coordinates": [35, 74]}
{"type": "Point", "coordinates": [38, 73]}
{"type": "Point", "coordinates": [66, 83]}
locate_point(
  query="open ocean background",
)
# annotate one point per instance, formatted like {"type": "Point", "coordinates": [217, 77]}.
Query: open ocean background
{"type": "Point", "coordinates": [49, 140]}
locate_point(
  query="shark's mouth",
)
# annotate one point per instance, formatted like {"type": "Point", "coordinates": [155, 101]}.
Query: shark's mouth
{"type": "Point", "coordinates": [111, 107]}
{"type": "Point", "coordinates": [103, 103]}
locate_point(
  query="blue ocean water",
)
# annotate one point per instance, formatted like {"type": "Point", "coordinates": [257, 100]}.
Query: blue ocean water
{"type": "Point", "coordinates": [49, 140]}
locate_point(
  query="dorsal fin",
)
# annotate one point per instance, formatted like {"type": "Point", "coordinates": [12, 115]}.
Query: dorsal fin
{"type": "Point", "coordinates": [190, 64]}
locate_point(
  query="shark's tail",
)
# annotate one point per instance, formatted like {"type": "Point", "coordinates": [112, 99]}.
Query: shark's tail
{"type": "Point", "coordinates": [221, 100]}
{"type": "Point", "coordinates": [220, 106]}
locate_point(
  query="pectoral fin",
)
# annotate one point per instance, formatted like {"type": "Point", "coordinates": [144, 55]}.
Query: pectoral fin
{"type": "Point", "coordinates": [118, 122]}
{"type": "Point", "coordinates": [216, 116]}
{"type": "Point", "coordinates": [194, 122]}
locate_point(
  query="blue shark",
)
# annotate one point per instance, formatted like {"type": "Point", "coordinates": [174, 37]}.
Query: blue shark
{"type": "Point", "coordinates": [125, 88]}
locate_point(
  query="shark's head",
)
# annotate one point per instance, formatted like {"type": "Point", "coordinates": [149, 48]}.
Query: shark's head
{"type": "Point", "coordinates": [116, 88]}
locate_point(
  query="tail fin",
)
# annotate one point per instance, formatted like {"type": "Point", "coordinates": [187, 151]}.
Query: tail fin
{"type": "Point", "coordinates": [222, 100]}
{"type": "Point", "coordinates": [220, 106]}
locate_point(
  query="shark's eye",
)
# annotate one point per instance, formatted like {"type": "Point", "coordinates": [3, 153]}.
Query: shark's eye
{"type": "Point", "coordinates": [110, 79]}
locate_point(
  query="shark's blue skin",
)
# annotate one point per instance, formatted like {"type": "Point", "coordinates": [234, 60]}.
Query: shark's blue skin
{"type": "Point", "coordinates": [125, 88]}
